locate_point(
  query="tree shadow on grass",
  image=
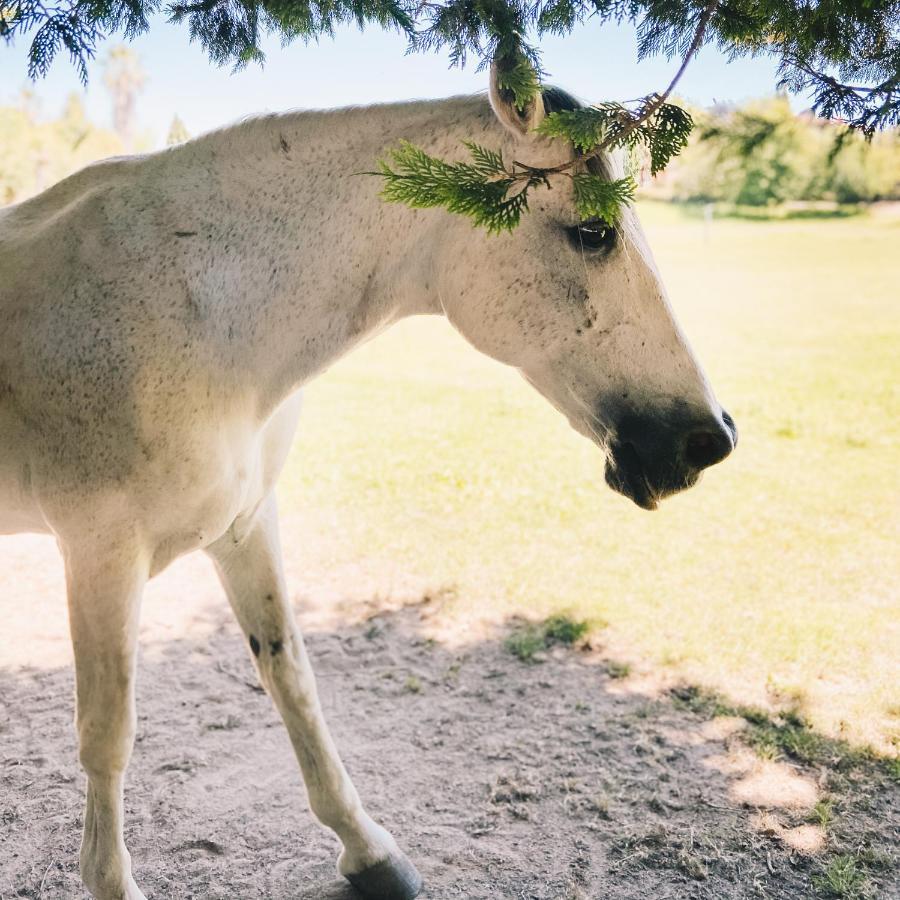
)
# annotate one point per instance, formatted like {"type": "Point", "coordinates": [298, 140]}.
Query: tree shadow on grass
{"type": "Point", "coordinates": [500, 777]}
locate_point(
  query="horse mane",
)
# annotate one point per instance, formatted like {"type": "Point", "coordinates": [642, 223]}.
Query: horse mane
{"type": "Point", "coordinates": [557, 100]}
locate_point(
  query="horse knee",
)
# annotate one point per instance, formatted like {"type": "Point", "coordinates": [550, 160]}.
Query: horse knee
{"type": "Point", "coordinates": [101, 760]}
{"type": "Point", "coordinates": [105, 740]}
{"type": "Point", "coordinates": [286, 683]}
{"type": "Point", "coordinates": [283, 668]}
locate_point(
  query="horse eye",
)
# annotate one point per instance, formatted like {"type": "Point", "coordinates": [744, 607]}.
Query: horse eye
{"type": "Point", "coordinates": [595, 234]}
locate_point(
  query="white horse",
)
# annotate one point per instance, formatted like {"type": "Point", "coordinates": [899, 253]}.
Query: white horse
{"type": "Point", "coordinates": [160, 314]}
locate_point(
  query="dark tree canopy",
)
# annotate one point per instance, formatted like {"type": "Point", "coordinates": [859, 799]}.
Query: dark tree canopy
{"type": "Point", "coordinates": [845, 54]}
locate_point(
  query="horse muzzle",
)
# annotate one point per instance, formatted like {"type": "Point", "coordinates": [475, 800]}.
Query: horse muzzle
{"type": "Point", "coordinates": [651, 457]}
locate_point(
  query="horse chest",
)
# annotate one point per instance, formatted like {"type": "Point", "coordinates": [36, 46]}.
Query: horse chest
{"type": "Point", "coordinates": [222, 487]}
{"type": "Point", "coordinates": [188, 503]}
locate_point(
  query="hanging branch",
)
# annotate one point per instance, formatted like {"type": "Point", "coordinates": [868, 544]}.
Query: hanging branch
{"type": "Point", "coordinates": [863, 108]}
{"type": "Point", "coordinates": [496, 196]}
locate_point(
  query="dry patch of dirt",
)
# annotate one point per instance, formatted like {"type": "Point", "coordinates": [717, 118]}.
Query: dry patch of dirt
{"type": "Point", "coordinates": [501, 779]}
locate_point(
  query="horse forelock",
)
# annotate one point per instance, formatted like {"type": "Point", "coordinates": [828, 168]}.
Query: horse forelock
{"type": "Point", "coordinates": [556, 99]}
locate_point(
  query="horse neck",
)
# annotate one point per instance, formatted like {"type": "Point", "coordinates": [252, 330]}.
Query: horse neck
{"type": "Point", "coordinates": [309, 260]}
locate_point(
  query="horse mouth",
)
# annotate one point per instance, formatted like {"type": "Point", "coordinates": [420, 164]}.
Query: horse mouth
{"type": "Point", "coordinates": [626, 476]}
{"type": "Point", "coordinates": [646, 485]}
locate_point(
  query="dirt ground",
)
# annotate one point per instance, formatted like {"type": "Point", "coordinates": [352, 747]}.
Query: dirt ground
{"type": "Point", "coordinates": [500, 779]}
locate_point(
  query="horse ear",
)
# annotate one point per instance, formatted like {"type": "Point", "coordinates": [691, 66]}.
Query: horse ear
{"type": "Point", "coordinates": [503, 102]}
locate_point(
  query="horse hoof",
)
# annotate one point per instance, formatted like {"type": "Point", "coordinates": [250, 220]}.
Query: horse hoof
{"type": "Point", "coordinates": [394, 878]}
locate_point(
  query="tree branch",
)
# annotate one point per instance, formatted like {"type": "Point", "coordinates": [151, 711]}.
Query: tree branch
{"type": "Point", "coordinates": [651, 108]}
{"type": "Point", "coordinates": [654, 106]}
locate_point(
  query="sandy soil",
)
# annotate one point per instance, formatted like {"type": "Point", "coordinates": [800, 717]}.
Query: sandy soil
{"type": "Point", "coordinates": [500, 779]}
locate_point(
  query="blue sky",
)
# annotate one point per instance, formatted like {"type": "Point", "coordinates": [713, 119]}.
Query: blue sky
{"type": "Point", "coordinates": [361, 68]}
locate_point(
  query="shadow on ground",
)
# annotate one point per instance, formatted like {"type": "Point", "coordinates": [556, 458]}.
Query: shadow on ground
{"type": "Point", "coordinates": [499, 778]}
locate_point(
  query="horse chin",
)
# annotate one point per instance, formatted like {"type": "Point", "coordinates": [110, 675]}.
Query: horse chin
{"type": "Point", "coordinates": [624, 472]}
{"type": "Point", "coordinates": [626, 477]}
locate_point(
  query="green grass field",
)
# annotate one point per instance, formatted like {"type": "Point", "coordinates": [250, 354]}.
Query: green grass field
{"type": "Point", "coordinates": [777, 578]}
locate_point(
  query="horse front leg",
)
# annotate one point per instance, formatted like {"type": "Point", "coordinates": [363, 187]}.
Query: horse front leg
{"type": "Point", "coordinates": [251, 571]}
{"type": "Point", "coordinates": [105, 584]}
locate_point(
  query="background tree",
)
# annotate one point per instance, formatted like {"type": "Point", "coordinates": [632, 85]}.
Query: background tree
{"type": "Point", "coordinates": [35, 152]}
{"type": "Point", "coordinates": [863, 172]}
{"type": "Point", "coordinates": [762, 153]}
{"type": "Point", "coordinates": [178, 133]}
{"type": "Point", "coordinates": [125, 79]}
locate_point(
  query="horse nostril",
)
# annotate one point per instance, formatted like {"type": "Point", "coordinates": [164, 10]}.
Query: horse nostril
{"type": "Point", "coordinates": [729, 424]}
{"type": "Point", "coordinates": [706, 448]}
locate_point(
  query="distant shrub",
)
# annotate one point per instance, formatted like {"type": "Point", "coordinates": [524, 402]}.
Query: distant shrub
{"type": "Point", "coordinates": [763, 153]}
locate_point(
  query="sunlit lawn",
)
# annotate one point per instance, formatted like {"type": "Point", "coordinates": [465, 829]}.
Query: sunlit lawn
{"type": "Point", "coordinates": [776, 576]}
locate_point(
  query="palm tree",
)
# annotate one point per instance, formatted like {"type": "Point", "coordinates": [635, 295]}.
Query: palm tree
{"type": "Point", "coordinates": [124, 79]}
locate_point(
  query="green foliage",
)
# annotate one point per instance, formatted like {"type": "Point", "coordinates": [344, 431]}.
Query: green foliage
{"type": "Point", "coordinates": [563, 629]}
{"type": "Point", "coordinates": [491, 195]}
{"type": "Point", "coordinates": [618, 669]}
{"type": "Point", "coordinates": [585, 128]}
{"type": "Point", "coordinates": [845, 54]}
{"type": "Point", "coordinates": [666, 134]}
{"type": "Point", "coordinates": [595, 197]}
{"type": "Point", "coordinates": [769, 146]}
{"type": "Point", "coordinates": [785, 734]}
{"type": "Point", "coordinates": [521, 80]}
{"type": "Point", "coordinates": [663, 128]}
{"type": "Point", "coordinates": [822, 814]}
{"type": "Point", "coordinates": [861, 171]}
{"type": "Point", "coordinates": [486, 29]}
{"type": "Point", "coordinates": [35, 152]}
{"type": "Point", "coordinates": [230, 31]}
{"type": "Point", "coordinates": [178, 132]}
{"type": "Point", "coordinates": [483, 190]}
{"type": "Point", "coordinates": [527, 641]}
{"type": "Point", "coordinates": [705, 703]}
{"type": "Point", "coordinates": [842, 878]}
{"type": "Point", "coordinates": [775, 738]}
{"type": "Point", "coordinates": [495, 196]}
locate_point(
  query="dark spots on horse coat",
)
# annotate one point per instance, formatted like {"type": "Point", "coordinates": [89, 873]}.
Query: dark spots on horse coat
{"type": "Point", "coordinates": [194, 308]}
{"type": "Point", "coordinates": [184, 233]}
{"type": "Point", "coordinates": [285, 146]}
{"type": "Point", "coordinates": [275, 647]}
{"type": "Point", "coordinates": [254, 645]}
